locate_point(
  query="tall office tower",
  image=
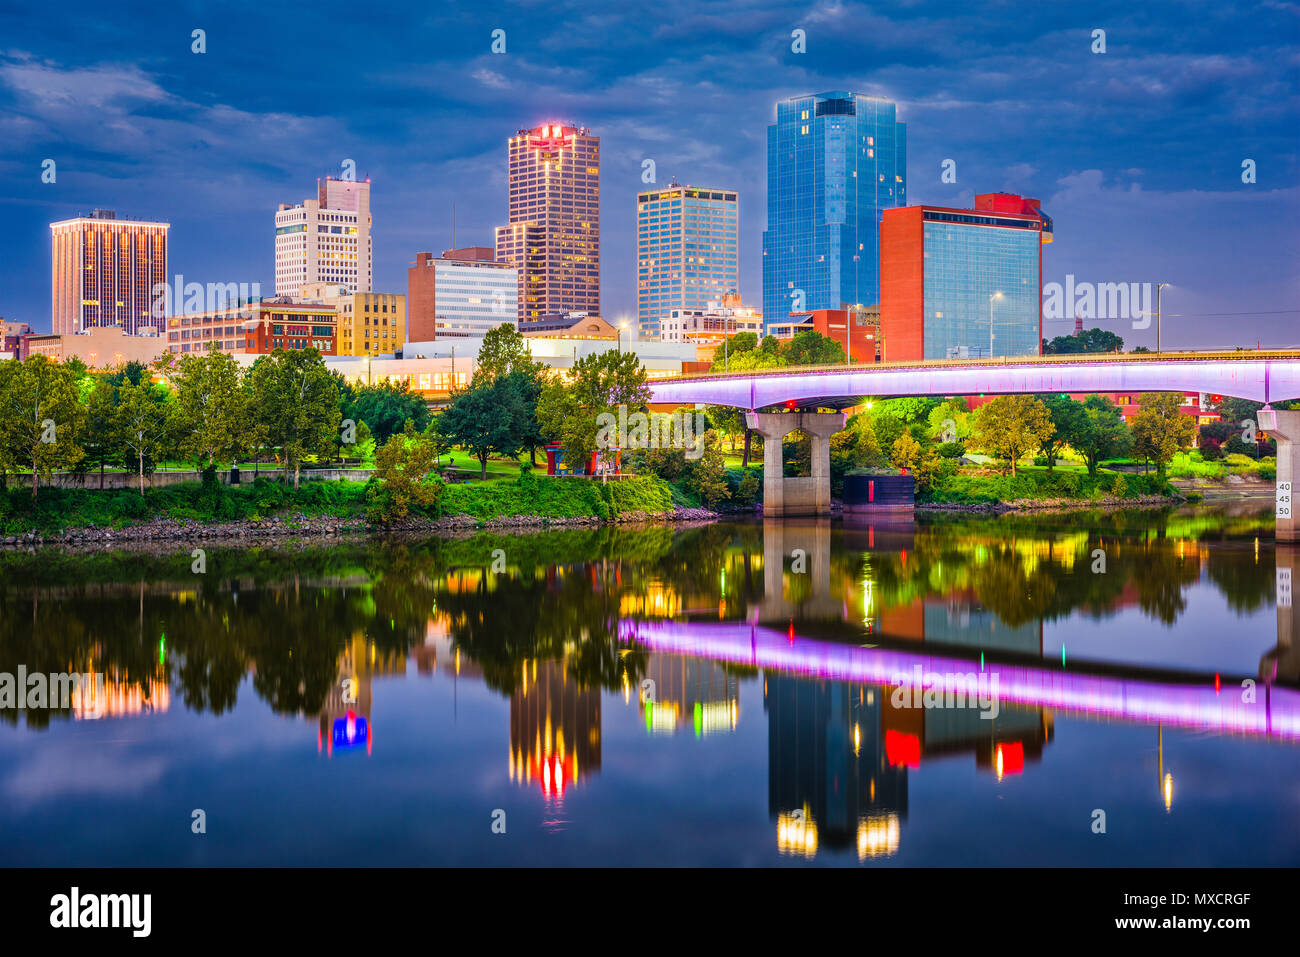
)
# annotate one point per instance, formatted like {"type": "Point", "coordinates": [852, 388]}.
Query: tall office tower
{"type": "Point", "coordinates": [104, 272]}
{"type": "Point", "coordinates": [963, 283]}
{"type": "Point", "coordinates": [326, 239]}
{"type": "Point", "coordinates": [553, 231]}
{"type": "Point", "coordinates": [834, 162]}
{"type": "Point", "coordinates": [462, 294]}
{"type": "Point", "coordinates": [687, 251]}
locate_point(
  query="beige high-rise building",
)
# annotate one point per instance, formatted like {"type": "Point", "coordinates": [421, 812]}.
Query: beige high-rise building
{"type": "Point", "coordinates": [326, 239]}
{"type": "Point", "coordinates": [104, 272]}
{"type": "Point", "coordinates": [553, 232]}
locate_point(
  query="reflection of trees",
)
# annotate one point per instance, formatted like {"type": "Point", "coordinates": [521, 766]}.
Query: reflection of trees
{"type": "Point", "coordinates": [287, 614]}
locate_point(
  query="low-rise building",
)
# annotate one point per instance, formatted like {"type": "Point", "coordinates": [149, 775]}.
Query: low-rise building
{"type": "Point", "coordinates": [569, 325]}
{"type": "Point", "coordinates": [857, 328]}
{"type": "Point", "coordinates": [256, 328]}
{"type": "Point", "coordinates": [99, 347]}
{"type": "Point", "coordinates": [369, 323]}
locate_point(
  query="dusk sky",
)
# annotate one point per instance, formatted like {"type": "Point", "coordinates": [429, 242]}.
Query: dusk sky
{"type": "Point", "coordinates": [1136, 153]}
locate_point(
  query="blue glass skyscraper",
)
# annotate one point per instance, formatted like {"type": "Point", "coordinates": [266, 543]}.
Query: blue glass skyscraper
{"type": "Point", "coordinates": [834, 162]}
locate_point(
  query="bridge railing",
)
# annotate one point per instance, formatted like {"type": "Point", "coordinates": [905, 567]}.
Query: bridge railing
{"type": "Point", "coordinates": [1238, 355]}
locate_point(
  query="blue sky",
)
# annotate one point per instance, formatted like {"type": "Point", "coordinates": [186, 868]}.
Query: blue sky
{"type": "Point", "coordinates": [1136, 153]}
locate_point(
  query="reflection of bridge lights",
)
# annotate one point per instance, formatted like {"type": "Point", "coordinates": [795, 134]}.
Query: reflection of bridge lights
{"type": "Point", "coordinates": [796, 833]}
{"type": "Point", "coordinates": [1168, 790]}
{"type": "Point", "coordinates": [878, 836]}
{"type": "Point", "coordinates": [857, 738]}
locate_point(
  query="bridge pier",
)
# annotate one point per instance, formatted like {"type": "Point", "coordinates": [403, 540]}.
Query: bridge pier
{"type": "Point", "coordinates": [1284, 427]}
{"type": "Point", "coordinates": [805, 495]}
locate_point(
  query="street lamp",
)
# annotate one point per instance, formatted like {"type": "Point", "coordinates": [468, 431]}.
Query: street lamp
{"type": "Point", "coordinates": [996, 295]}
{"type": "Point", "coordinates": [1160, 288]}
{"type": "Point", "coordinates": [621, 327]}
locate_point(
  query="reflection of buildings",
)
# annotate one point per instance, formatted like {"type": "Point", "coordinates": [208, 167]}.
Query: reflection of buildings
{"type": "Point", "coordinates": [693, 690]}
{"type": "Point", "coordinates": [345, 713]}
{"type": "Point", "coordinates": [554, 728]}
{"type": "Point", "coordinates": [829, 783]}
{"type": "Point", "coordinates": [122, 697]}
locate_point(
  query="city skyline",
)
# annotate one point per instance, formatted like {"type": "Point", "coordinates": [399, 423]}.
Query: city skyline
{"type": "Point", "coordinates": [180, 139]}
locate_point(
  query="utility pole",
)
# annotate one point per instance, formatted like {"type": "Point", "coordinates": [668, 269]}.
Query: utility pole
{"type": "Point", "coordinates": [1160, 288]}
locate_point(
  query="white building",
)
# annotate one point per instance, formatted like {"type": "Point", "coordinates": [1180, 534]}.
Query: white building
{"type": "Point", "coordinates": [709, 326]}
{"type": "Point", "coordinates": [326, 239]}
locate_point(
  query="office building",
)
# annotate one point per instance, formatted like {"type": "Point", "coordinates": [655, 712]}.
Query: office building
{"type": "Point", "coordinates": [326, 239]}
{"type": "Point", "coordinates": [856, 329]}
{"type": "Point", "coordinates": [552, 236]}
{"type": "Point", "coordinates": [687, 251]}
{"type": "Point", "coordinates": [461, 294]}
{"type": "Point", "coordinates": [256, 328]}
{"type": "Point", "coordinates": [835, 161]}
{"type": "Point", "coordinates": [963, 283]}
{"type": "Point", "coordinates": [104, 272]}
{"type": "Point", "coordinates": [368, 323]}
{"type": "Point", "coordinates": [99, 347]}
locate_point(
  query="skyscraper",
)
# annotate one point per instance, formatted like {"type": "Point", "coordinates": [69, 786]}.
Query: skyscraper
{"type": "Point", "coordinates": [687, 251]}
{"type": "Point", "coordinates": [834, 162]}
{"type": "Point", "coordinates": [963, 283]}
{"type": "Point", "coordinates": [104, 272]}
{"type": "Point", "coordinates": [326, 239]}
{"type": "Point", "coordinates": [553, 231]}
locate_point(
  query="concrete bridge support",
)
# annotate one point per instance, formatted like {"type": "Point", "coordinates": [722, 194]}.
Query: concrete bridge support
{"type": "Point", "coordinates": [806, 495]}
{"type": "Point", "coordinates": [1284, 427]}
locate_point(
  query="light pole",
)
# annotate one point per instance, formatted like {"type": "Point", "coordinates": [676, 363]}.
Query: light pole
{"type": "Point", "coordinates": [1160, 288]}
{"type": "Point", "coordinates": [621, 327]}
{"type": "Point", "coordinates": [996, 295]}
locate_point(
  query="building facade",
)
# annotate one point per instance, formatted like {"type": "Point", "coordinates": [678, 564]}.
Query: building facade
{"type": "Point", "coordinates": [462, 294]}
{"type": "Point", "coordinates": [963, 283]}
{"type": "Point", "coordinates": [552, 236]}
{"type": "Point", "coordinates": [100, 347]}
{"type": "Point", "coordinates": [104, 272]}
{"type": "Point", "coordinates": [687, 251]}
{"type": "Point", "coordinates": [835, 161]}
{"type": "Point", "coordinates": [368, 323]}
{"type": "Point", "coordinates": [857, 330]}
{"type": "Point", "coordinates": [326, 239]}
{"type": "Point", "coordinates": [255, 329]}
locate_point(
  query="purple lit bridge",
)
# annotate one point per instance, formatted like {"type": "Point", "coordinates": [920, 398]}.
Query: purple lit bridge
{"type": "Point", "coordinates": [1274, 714]}
{"type": "Point", "coordinates": [1260, 375]}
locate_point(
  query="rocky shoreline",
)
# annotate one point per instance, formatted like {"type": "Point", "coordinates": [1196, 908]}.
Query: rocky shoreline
{"type": "Point", "coordinates": [278, 529]}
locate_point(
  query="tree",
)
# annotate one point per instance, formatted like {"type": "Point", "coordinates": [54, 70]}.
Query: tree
{"type": "Point", "coordinates": [1068, 420]}
{"type": "Point", "coordinates": [905, 452]}
{"type": "Point", "coordinates": [1093, 340]}
{"type": "Point", "coordinates": [1160, 429]}
{"type": "Point", "coordinates": [954, 411]}
{"type": "Point", "coordinates": [296, 406]}
{"type": "Point", "coordinates": [808, 347]}
{"type": "Point", "coordinates": [403, 465]}
{"type": "Point", "coordinates": [1103, 434]}
{"type": "Point", "coordinates": [504, 350]}
{"type": "Point", "coordinates": [362, 448]}
{"type": "Point", "coordinates": [101, 439]}
{"type": "Point", "coordinates": [485, 420]}
{"type": "Point", "coordinates": [40, 417]}
{"type": "Point", "coordinates": [567, 411]}
{"type": "Point", "coordinates": [385, 408]}
{"type": "Point", "coordinates": [143, 424]}
{"type": "Point", "coordinates": [1010, 426]}
{"type": "Point", "coordinates": [212, 408]}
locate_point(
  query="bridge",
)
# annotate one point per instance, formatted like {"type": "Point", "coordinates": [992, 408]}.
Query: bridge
{"type": "Point", "coordinates": [782, 400]}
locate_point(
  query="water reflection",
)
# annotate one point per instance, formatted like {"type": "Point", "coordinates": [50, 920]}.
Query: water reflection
{"type": "Point", "coordinates": [835, 626]}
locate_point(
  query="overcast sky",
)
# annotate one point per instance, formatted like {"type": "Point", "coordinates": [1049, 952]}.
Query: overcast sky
{"type": "Point", "coordinates": [1136, 152]}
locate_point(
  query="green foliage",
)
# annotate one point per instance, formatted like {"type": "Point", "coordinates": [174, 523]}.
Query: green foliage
{"type": "Point", "coordinates": [1034, 485]}
{"type": "Point", "coordinates": [213, 408]}
{"type": "Point", "coordinates": [41, 417]}
{"type": "Point", "coordinates": [567, 412]}
{"type": "Point", "coordinates": [384, 408]}
{"type": "Point", "coordinates": [401, 482]}
{"type": "Point", "coordinates": [1160, 429]}
{"type": "Point", "coordinates": [489, 418]}
{"type": "Point", "coordinates": [1090, 340]}
{"type": "Point", "coordinates": [1011, 426]}
{"type": "Point", "coordinates": [295, 406]}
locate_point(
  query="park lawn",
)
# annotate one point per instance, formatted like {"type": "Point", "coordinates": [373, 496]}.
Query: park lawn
{"type": "Point", "coordinates": [497, 467]}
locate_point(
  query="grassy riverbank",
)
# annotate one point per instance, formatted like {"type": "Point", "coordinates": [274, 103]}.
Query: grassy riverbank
{"type": "Point", "coordinates": [1040, 485]}
{"type": "Point", "coordinates": [544, 497]}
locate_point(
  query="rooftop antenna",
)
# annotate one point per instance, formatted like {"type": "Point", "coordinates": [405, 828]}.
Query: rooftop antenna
{"type": "Point", "coordinates": [453, 225]}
